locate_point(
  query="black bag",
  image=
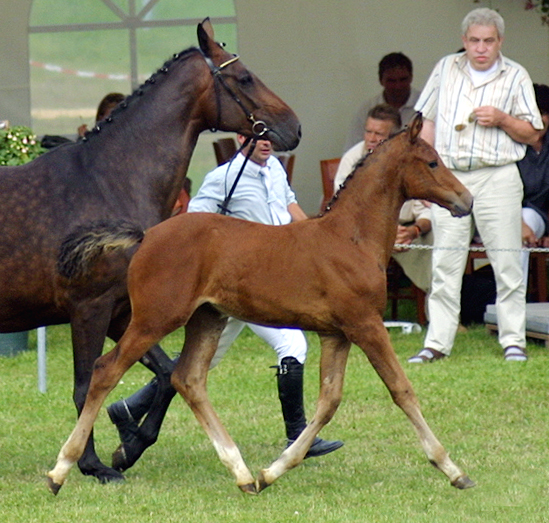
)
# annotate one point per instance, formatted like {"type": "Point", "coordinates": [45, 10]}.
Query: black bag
{"type": "Point", "coordinates": [477, 291]}
{"type": "Point", "coordinates": [50, 141]}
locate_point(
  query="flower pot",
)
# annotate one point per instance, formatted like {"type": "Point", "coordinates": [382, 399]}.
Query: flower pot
{"type": "Point", "coordinates": [12, 343]}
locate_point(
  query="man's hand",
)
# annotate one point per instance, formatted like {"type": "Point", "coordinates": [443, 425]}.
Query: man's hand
{"type": "Point", "coordinates": [489, 116]}
{"type": "Point", "coordinates": [405, 236]}
{"type": "Point", "coordinates": [519, 130]}
{"type": "Point", "coordinates": [528, 237]}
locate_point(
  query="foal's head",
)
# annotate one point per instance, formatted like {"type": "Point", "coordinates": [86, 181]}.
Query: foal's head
{"type": "Point", "coordinates": [425, 177]}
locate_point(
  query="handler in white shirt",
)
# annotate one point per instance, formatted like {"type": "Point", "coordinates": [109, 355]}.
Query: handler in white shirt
{"type": "Point", "coordinates": [263, 195]}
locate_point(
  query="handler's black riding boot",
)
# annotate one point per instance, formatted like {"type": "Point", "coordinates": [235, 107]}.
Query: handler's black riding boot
{"type": "Point", "coordinates": [290, 393]}
{"type": "Point", "coordinates": [127, 413]}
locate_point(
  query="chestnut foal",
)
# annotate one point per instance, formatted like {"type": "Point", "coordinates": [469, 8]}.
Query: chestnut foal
{"type": "Point", "coordinates": [326, 275]}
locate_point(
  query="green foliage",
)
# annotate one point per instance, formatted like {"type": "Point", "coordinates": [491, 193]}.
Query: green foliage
{"type": "Point", "coordinates": [491, 415]}
{"type": "Point", "coordinates": [541, 6]}
{"type": "Point", "coordinates": [18, 145]}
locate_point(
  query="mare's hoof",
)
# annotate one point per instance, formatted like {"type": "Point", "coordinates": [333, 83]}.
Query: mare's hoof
{"type": "Point", "coordinates": [463, 482]}
{"type": "Point", "coordinates": [110, 477]}
{"type": "Point", "coordinates": [53, 486]}
{"type": "Point", "coordinates": [249, 488]}
{"type": "Point", "coordinates": [126, 455]}
{"type": "Point", "coordinates": [261, 482]}
{"type": "Point", "coordinates": [100, 471]}
{"type": "Point", "coordinates": [119, 459]}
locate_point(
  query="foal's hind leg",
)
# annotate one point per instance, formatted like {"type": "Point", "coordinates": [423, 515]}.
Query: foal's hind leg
{"type": "Point", "coordinates": [335, 349]}
{"type": "Point", "coordinates": [108, 369]}
{"type": "Point", "coordinates": [374, 341]}
{"type": "Point", "coordinates": [189, 379]}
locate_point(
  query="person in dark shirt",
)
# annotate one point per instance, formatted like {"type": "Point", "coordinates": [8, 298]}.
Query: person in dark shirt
{"type": "Point", "coordinates": [534, 171]}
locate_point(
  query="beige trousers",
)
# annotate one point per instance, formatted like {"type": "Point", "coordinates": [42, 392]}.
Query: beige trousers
{"type": "Point", "coordinates": [497, 193]}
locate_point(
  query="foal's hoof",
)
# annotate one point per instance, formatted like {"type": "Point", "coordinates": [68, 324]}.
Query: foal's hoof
{"type": "Point", "coordinates": [463, 482]}
{"type": "Point", "coordinates": [249, 488]}
{"type": "Point", "coordinates": [53, 486]}
{"type": "Point", "coordinates": [261, 483]}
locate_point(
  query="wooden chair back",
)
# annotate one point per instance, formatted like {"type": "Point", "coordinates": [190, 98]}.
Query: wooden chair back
{"type": "Point", "coordinates": [328, 170]}
{"type": "Point", "coordinates": [224, 149]}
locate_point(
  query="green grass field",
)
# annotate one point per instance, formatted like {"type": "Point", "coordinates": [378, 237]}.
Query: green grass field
{"type": "Point", "coordinates": [492, 416]}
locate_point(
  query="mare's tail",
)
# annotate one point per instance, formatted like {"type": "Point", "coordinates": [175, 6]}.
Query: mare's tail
{"type": "Point", "coordinates": [87, 242]}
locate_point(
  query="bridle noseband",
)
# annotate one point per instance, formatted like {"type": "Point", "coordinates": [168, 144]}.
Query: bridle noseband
{"type": "Point", "coordinates": [259, 127]}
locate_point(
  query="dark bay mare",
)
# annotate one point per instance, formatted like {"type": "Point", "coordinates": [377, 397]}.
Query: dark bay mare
{"type": "Point", "coordinates": [131, 166]}
{"type": "Point", "coordinates": [325, 274]}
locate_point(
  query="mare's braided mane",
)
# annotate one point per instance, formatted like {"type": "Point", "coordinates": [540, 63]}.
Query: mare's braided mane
{"type": "Point", "coordinates": [140, 91]}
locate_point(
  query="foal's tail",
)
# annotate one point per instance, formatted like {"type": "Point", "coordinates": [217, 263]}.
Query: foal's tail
{"type": "Point", "coordinates": [87, 242]}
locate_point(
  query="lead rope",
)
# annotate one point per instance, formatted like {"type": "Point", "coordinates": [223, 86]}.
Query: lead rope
{"type": "Point", "coordinates": [224, 207]}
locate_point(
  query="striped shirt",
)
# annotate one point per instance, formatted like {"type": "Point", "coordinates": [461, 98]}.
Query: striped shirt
{"type": "Point", "coordinates": [449, 98]}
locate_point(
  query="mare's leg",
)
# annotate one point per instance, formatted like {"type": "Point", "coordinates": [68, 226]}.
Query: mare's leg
{"type": "Point", "coordinates": [374, 341]}
{"type": "Point", "coordinates": [335, 349]}
{"type": "Point", "coordinates": [189, 378]}
{"type": "Point", "coordinates": [107, 371]}
{"type": "Point", "coordinates": [153, 401]}
{"type": "Point", "coordinates": [89, 324]}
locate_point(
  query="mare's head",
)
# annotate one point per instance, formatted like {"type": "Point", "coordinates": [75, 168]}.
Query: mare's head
{"type": "Point", "coordinates": [239, 101]}
{"type": "Point", "coordinates": [425, 177]}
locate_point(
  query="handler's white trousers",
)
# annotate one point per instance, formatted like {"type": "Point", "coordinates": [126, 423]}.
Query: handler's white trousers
{"type": "Point", "coordinates": [286, 342]}
{"type": "Point", "coordinates": [497, 193]}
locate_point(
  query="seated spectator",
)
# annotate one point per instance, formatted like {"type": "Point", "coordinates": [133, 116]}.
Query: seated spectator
{"type": "Point", "coordinates": [395, 73]}
{"type": "Point", "coordinates": [415, 216]}
{"type": "Point", "coordinates": [106, 105]}
{"type": "Point", "coordinates": [183, 199]}
{"type": "Point", "coordinates": [534, 171]}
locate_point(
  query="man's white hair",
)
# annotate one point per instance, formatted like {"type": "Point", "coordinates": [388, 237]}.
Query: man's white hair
{"type": "Point", "coordinates": [483, 16]}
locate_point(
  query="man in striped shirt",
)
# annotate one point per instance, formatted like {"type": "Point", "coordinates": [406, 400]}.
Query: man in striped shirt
{"type": "Point", "coordinates": [480, 113]}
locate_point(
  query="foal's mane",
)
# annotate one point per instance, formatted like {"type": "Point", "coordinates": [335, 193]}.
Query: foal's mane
{"type": "Point", "coordinates": [146, 86]}
{"type": "Point", "coordinates": [350, 176]}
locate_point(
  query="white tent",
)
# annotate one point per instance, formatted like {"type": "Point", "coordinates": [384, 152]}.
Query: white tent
{"type": "Point", "coordinates": [320, 56]}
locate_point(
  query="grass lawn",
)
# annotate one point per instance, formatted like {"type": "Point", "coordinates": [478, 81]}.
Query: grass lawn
{"type": "Point", "coordinates": [492, 416]}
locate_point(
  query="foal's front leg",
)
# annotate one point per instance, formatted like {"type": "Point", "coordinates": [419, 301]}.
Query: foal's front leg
{"type": "Point", "coordinates": [335, 349]}
{"type": "Point", "coordinates": [108, 369]}
{"type": "Point", "coordinates": [375, 343]}
{"type": "Point", "coordinates": [189, 379]}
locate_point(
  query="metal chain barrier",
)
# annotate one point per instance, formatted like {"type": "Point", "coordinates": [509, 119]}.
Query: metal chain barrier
{"type": "Point", "coordinates": [471, 248]}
